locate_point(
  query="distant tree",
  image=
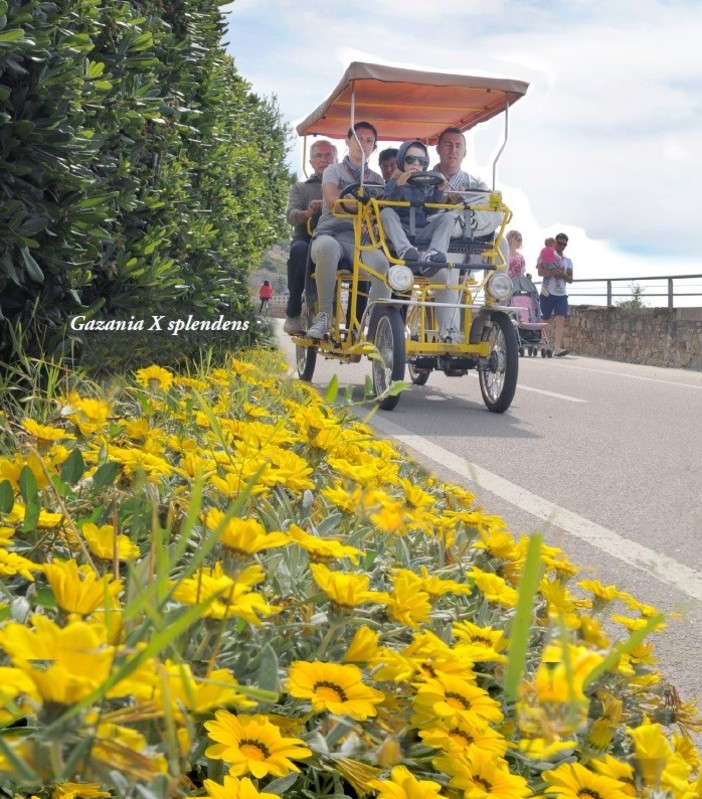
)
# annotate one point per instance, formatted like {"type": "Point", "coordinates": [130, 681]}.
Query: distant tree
{"type": "Point", "coordinates": [636, 299]}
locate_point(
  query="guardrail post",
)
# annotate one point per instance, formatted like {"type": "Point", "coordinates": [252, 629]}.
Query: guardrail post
{"type": "Point", "coordinates": [609, 293]}
{"type": "Point", "coordinates": [670, 293]}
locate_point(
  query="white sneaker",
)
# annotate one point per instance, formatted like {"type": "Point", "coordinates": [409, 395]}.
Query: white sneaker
{"type": "Point", "coordinates": [293, 325]}
{"type": "Point", "coordinates": [320, 327]}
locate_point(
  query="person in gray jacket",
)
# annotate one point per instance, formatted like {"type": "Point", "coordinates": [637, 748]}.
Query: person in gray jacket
{"type": "Point", "coordinates": [304, 202]}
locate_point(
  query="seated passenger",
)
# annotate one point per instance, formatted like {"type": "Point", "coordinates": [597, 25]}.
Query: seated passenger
{"type": "Point", "coordinates": [451, 148]}
{"type": "Point", "coordinates": [434, 229]}
{"type": "Point", "coordinates": [386, 162]}
{"type": "Point", "coordinates": [333, 237]}
{"type": "Point", "coordinates": [304, 201]}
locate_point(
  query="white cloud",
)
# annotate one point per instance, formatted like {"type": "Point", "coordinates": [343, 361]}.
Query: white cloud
{"type": "Point", "coordinates": [607, 142]}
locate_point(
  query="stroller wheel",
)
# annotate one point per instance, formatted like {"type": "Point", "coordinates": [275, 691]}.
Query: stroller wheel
{"type": "Point", "coordinates": [521, 352]}
{"type": "Point", "coordinates": [543, 352]}
{"type": "Point", "coordinates": [549, 353]}
{"type": "Point", "coordinates": [532, 352]}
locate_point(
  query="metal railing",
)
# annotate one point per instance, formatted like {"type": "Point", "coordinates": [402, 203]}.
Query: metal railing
{"type": "Point", "coordinates": [656, 286]}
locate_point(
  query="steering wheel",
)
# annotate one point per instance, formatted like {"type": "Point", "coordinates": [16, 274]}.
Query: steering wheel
{"type": "Point", "coordinates": [353, 189]}
{"type": "Point", "coordinates": [425, 178]}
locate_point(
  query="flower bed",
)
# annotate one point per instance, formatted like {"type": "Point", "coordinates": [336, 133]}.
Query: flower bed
{"type": "Point", "coordinates": [218, 585]}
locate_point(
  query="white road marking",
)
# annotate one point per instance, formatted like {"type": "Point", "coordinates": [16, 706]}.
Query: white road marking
{"type": "Point", "coordinates": [657, 565]}
{"type": "Point", "coordinates": [635, 377]}
{"type": "Point", "coordinates": [521, 387]}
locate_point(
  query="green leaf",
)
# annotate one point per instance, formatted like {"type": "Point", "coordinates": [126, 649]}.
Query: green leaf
{"type": "Point", "coordinates": [105, 475]}
{"type": "Point", "coordinates": [521, 626]}
{"type": "Point", "coordinates": [30, 495]}
{"type": "Point", "coordinates": [33, 268]}
{"type": "Point", "coordinates": [268, 677]}
{"type": "Point", "coordinates": [7, 497]}
{"type": "Point", "coordinates": [332, 390]}
{"type": "Point", "coordinates": [13, 35]}
{"type": "Point", "coordinates": [73, 467]}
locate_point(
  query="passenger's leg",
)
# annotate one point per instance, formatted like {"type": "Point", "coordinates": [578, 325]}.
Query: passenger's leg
{"type": "Point", "coordinates": [379, 290]}
{"type": "Point", "coordinates": [394, 232]}
{"type": "Point", "coordinates": [326, 252]}
{"type": "Point", "coordinates": [448, 319]}
{"type": "Point", "coordinates": [438, 231]}
{"type": "Point", "coordinates": [297, 263]}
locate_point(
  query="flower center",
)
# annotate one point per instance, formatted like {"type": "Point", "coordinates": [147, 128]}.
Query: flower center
{"type": "Point", "coordinates": [253, 750]}
{"type": "Point", "coordinates": [590, 792]}
{"type": "Point", "coordinates": [461, 737]}
{"type": "Point", "coordinates": [486, 785]}
{"type": "Point", "coordinates": [330, 691]}
{"type": "Point", "coordinates": [457, 701]}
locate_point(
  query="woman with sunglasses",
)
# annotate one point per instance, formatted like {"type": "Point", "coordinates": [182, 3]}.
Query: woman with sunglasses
{"type": "Point", "coordinates": [435, 231]}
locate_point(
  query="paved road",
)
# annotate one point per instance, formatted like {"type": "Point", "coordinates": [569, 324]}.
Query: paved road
{"type": "Point", "coordinates": [605, 457]}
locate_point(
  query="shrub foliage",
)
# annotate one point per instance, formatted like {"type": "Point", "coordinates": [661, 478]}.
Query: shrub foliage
{"type": "Point", "coordinates": [137, 169]}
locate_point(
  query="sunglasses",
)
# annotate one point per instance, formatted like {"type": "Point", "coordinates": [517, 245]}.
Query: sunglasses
{"type": "Point", "coordinates": [417, 159]}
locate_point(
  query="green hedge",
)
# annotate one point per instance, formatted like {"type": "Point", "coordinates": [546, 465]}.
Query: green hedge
{"type": "Point", "coordinates": [138, 171]}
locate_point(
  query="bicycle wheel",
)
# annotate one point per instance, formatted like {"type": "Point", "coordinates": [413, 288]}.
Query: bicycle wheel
{"type": "Point", "coordinates": [498, 378]}
{"type": "Point", "coordinates": [387, 332]}
{"type": "Point", "coordinates": [306, 357]}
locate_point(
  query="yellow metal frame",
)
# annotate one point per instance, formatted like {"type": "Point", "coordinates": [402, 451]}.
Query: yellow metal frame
{"type": "Point", "coordinates": [347, 343]}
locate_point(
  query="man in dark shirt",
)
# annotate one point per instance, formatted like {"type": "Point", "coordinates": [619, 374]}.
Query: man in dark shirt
{"type": "Point", "coordinates": [304, 202]}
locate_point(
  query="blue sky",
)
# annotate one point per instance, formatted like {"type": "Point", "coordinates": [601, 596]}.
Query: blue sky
{"type": "Point", "coordinates": [607, 143]}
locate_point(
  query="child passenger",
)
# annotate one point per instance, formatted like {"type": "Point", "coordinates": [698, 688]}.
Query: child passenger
{"type": "Point", "coordinates": [436, 230]}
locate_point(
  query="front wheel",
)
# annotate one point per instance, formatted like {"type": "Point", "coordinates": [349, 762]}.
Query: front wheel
{"type": "Point", "coordinates": [387, 331]}
{"type": "Point", "coordinates": [419, 378]}
{"type": "Point", "coordinates": [498, 378]}
{"type": "Point", "coordinates": [306, 357]}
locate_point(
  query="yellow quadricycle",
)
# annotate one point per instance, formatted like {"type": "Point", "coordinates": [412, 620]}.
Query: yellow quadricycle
{"type": "Point", "coordinates": [404, 329]}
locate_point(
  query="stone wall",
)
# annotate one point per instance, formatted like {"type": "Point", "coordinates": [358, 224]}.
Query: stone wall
{"type": "Point", "coordinates": [651, 336]}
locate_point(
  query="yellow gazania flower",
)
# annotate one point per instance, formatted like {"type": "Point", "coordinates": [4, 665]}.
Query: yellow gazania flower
{"type": "Point", "coordinates": [484, 776]}
{"type": "Point", "coordinates": [103, 543]}
{"type": "Point", "coordinates": [79, 589]}
{"type": "Point", "coordinates": [244, 536]}
{"type": "Point", "coordinates": [437, 586]}
{"type": "Point", "coordinates": [416, 496]}
{"type": "Point", "coordinates": [16, 688]}
{"type": "Point", "coordinates": [323, 550]}
{"type": "Point", "coordinates": [652, 751]}
{"type": "Point", "coordinates": [460, 737]}
{"type": "Point", "coordinates": [288, 469]}
{"type": "Point", "coordinates": [333, 688]}
{"type": "Point", "coordinates": [78, 790]}
{"type": "Point", "coordinates": [497, 544]}
{"type": "Point", "coordinates": [450, 697]}
{"type": "Point", "coordinates": [345, 590]}
{"type": "Point", "coordinates": [685, 747]}
{"type": "Point", "coordinates": [234, 482]}
{"type": "Point", "coordinates": [545, 748]}
{"type": "Point", "coordinates": [233, 788]}
{"type": "Point", "coordinates": [137, 428]}
{"type": "Point", "coordinates": [404, 785]}
{"type": "Point", "coordinates": [560, 599]}
{"type": "Point", "coordinates": [494, 588]}
{"type": "Point", "coordinates": [557, 682]}
{"type": "Point", "coordinates": [126, 750]}
{"type": "Point", "coordinates": [340, 496]}
{"type": "Point", "coordinates": [89, 415]}
{"type": "Point", "coordinates": [233, 596]}
{"type": "Point", "coordinates": [133, 459]}
{"type": "Point", "coordinates": [603, 594]}
{"type": "Point", "coordinates": [153, 377]}
{"type": "Point", "coordinates": [11, 563]}
{"type": "Point", "coordinates": [636, 624]}
{"type": "Point", "coordinates": [408, 604]}
{"type": "Point", "coordinates": [390, 517]}
{"type": "Point", "coordinates": [363, 647]}
{"type": "Point", "coordinates": [573, 781]}
{"type": "Point", "coordinates": [66, 664]}
{"type": "Point", "coordinates": [238, 367]}
{"type": "Point", "coordinates": [479, 644]}
{"type": "Point", "coordinates": [609, 766]}
{"type": "Point", "coordinates": [253, 745]}
{"type": "Point", "coordinates": [592, 632]}
{"type": "Point", "coordinates": [176, 684]}
{"type": "Point", "coordinates": [44, 433]}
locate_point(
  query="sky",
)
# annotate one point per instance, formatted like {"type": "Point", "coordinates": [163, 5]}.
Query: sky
{"type": "Point", "coordinates": [606, 146]}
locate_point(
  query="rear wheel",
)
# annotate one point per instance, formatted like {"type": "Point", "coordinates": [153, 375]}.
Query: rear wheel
{"type": "Point", "coordinates": [498, 379]}
{"type": "Point", "coordinates": [387, 332]}
{"type": "Point", "coordinates": [306, 357]}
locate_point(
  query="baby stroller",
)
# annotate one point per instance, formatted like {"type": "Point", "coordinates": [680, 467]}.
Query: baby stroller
{"type": "Point", "coordinates": [529, 324]}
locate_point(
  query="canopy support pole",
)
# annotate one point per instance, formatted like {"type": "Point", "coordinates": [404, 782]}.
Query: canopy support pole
{"type": "Point", "coordinates": [504, 144]}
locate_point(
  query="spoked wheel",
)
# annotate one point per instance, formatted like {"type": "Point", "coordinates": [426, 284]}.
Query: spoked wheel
{"type": "Point", "coordinates": [498, 380]}
{"type": "Point", "coordinates": [306, 357]}
{"type": "Point", "coordinates": [387, 332]}
{"type": "Point", "coordinates": [419, 378]}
